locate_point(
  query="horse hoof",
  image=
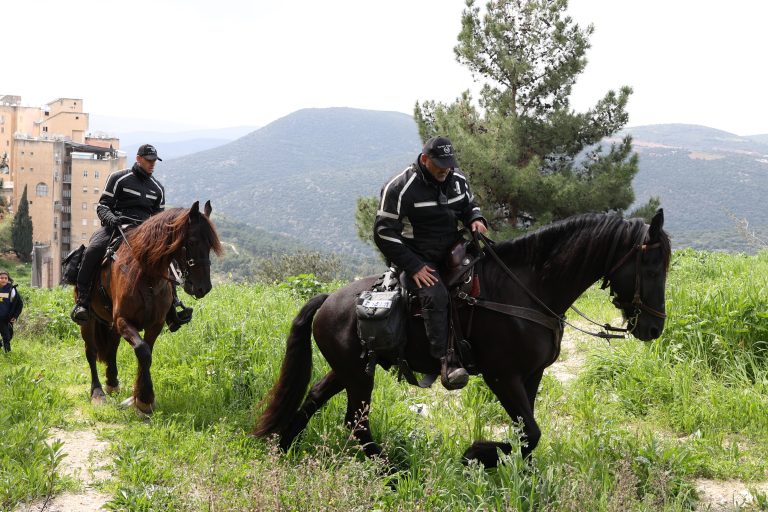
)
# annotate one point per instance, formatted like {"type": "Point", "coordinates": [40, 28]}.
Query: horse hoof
{"type": "Point", "coordinates": [143, 407]}
{"type": "Point", "coordinates": [112, 389]}
{"type": "Point", "coordinates": [98, 397]}
{"type": "Point", "coordinates": [127, 402]}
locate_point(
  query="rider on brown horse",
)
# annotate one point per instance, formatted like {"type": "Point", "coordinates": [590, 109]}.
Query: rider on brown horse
{"type": "Point", "coordinates": [416, 226]}
{"type": "Point", "coordinates": [131, 196]}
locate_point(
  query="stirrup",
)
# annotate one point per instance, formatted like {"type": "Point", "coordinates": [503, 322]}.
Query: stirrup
{"type": "Point", "coordinates": [80, 314]}
{"type": "Point", "coordinates": [452, 377]}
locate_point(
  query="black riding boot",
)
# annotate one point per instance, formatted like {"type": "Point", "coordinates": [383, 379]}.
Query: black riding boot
{"type": "Point", "coordinates": [80, 311]}
{"type": "Point", "coordinates": [452, 374]}
{"type": "Point", "coordinates": [175, 318]}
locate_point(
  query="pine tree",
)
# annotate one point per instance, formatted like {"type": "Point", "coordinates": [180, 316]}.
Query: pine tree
{"type": "Point", "coordinates": [529, 156]}
{"type": "Point", "coordinates": [21, 230]}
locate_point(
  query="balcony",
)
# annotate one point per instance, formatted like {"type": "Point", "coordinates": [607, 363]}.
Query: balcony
{"type": "Point", "coordinates": [67, 178]}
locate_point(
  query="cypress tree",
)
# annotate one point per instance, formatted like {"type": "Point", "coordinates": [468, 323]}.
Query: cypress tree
{"type": "Point", "coordinates": [21, 230]}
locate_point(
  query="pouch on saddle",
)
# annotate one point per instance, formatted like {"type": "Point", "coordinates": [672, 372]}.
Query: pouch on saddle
{"type": "Point", "coordinates": [70, 265]}
{"type": "Point", "coordinates": [381, 319]}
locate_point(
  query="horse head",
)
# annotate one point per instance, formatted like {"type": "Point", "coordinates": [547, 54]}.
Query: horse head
{"type": "Point", "coordinates": [638, 279]}
{"type": "Point", "coordinates": [195, 259]}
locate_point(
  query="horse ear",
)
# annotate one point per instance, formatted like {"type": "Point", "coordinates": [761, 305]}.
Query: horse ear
{"type": "Point", "coordinates": [207, 209]}
{"type": "Point", "coordinates": [195, 210]}
{"type": "Point", "coordinates": [656, 224]}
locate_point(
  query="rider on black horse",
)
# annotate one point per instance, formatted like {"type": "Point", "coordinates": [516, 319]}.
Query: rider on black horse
{"type": "Point", "coordinates": [130, 197]}
{"type": "Point", "coordinates": [416, 226]}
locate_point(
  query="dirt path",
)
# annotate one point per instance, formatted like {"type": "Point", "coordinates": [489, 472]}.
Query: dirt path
{"type": "Point", "coordinates": [714, 495]}
{"type": "Point", "coordinates": [81, 463]}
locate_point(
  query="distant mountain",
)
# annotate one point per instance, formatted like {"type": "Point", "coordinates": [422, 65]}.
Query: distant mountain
{"type": "Point", "coordinates": [707, 180]}
{"type": "Point", "coordinates": [760, 138]}
{"type": "Point", "coordinates": [300, 175]}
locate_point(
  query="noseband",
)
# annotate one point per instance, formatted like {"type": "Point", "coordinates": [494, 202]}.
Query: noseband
{"type": "Point", "coordinates": [638, 249]}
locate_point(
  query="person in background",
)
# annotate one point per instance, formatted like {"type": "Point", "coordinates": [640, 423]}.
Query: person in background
{"type": "Point", "coordinates": [416, 226]}
{"type": "Point", "coordinates": [11, 305]}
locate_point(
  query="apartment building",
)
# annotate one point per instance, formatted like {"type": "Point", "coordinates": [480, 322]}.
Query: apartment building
{"type": "Point", "coordinates": [49, 151]}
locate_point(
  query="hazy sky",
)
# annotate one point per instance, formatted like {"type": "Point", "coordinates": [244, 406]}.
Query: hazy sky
{"type": "Point", "coordinates": [205, 64]}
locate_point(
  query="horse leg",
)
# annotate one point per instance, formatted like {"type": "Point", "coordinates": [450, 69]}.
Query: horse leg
{"type": "Point", "coordinates": [143, 395]}
{"type": "Point", "coordinates": [532, 387]}
{"type": "Point", "coordinates": [110, 357]}
{"type": "Point", "coordinates": [320, 393]}
{"type": "Point", "coordinates": [356, 419]}
{"type": "Point", "coordinates": [97, 393]}
{"type": "Point", "coordinates": [513, 395]}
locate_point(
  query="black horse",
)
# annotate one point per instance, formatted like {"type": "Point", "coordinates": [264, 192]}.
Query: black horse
{"type": "Point", "coordinates": [545, 271]}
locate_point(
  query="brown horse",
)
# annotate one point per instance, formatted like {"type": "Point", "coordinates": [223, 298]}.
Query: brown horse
{"type": "Point", "coordinates": [138, 293]}
{"type": "Point", "coordinates": [516, 325]}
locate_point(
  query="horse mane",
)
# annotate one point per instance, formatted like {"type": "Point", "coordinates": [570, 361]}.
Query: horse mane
{"type": "Point", "coordinates": [156, 239]}
{"type": "Point", "coordinates": [584, 238]}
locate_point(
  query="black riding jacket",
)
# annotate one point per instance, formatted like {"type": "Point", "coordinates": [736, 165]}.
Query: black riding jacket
{"type": "Point", "coordinates": [131, 193]}
{"type": "Point", "coordinates": [414, 224]}
{"type": "Point", "coordinates": [10, 302]}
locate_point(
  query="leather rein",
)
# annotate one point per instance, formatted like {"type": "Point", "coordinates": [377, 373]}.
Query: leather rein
{"type": "Point", "coordinates": [555, 321]}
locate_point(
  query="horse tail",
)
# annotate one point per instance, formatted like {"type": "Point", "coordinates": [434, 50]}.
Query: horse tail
{"type": "Point", "coordinates": [290, 388]}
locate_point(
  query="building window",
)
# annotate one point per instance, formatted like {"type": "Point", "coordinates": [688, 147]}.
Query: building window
{"type": "Point", "coordinates": [85, 190]}
{"type": "Point", "coordinates": [82, 236]}
{"type": "Point", "coordinates": [96, 174]}
{"type": "Point", "coordinates": [41, 190]}
{"type": "Point", "coordinates": [85, 222]}
{"type": "Point", "coordinates": [85, 173]}
{"type": "Point", "coordinates": [95, 190]}
{"type": "Point", "coordinates": [96, 222]}
{"type": "Point", "coordinates": [84, 206]}
{"type": "Point", "coordinates": [45, 129]}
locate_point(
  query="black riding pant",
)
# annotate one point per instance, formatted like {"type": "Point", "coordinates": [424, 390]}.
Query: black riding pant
{"type": "Point", "coordinates": [92, 257]}
{"type": "Point", "coordinates": [434, 306]}
{"type": "Point", "coordinates": [6, 331]}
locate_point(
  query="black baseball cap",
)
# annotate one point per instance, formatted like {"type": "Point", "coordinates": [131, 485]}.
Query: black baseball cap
{"type": "Point", "coordinates": [440, 151]}
{"type": "Point", "coordinates": [149, 152]}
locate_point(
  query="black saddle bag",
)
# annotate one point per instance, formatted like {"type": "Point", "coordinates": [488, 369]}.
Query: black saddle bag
{"type": "Point", "coordinates": [381, 316]}
{"type": "Point", "coordinates": [70, 265]}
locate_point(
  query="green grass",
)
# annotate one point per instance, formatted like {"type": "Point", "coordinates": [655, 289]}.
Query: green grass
{"type": "Point", "coordinates": [640, 423]}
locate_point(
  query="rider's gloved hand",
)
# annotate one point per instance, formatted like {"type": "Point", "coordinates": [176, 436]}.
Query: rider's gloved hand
{"type": "Point", "coordinates": [110, 220]}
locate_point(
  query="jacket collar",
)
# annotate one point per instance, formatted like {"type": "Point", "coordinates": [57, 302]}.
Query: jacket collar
{"type": "Point", "coordinates": [139, 172]}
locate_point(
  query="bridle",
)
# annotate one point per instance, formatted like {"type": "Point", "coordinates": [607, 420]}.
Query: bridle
{"type": "Point", "coordinates": [182, 267]}
{"type": "Point", "coordinates": [638, 250]}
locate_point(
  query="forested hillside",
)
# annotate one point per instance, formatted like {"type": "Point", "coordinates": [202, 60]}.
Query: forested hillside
{"type": "Point", "coordinates": [300, 176]}
{"type": "Point", "coordinates": [708, 180]}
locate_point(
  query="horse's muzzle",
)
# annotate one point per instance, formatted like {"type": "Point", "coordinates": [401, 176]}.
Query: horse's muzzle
{"type": "Point", "coordinates": [197, 291]}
